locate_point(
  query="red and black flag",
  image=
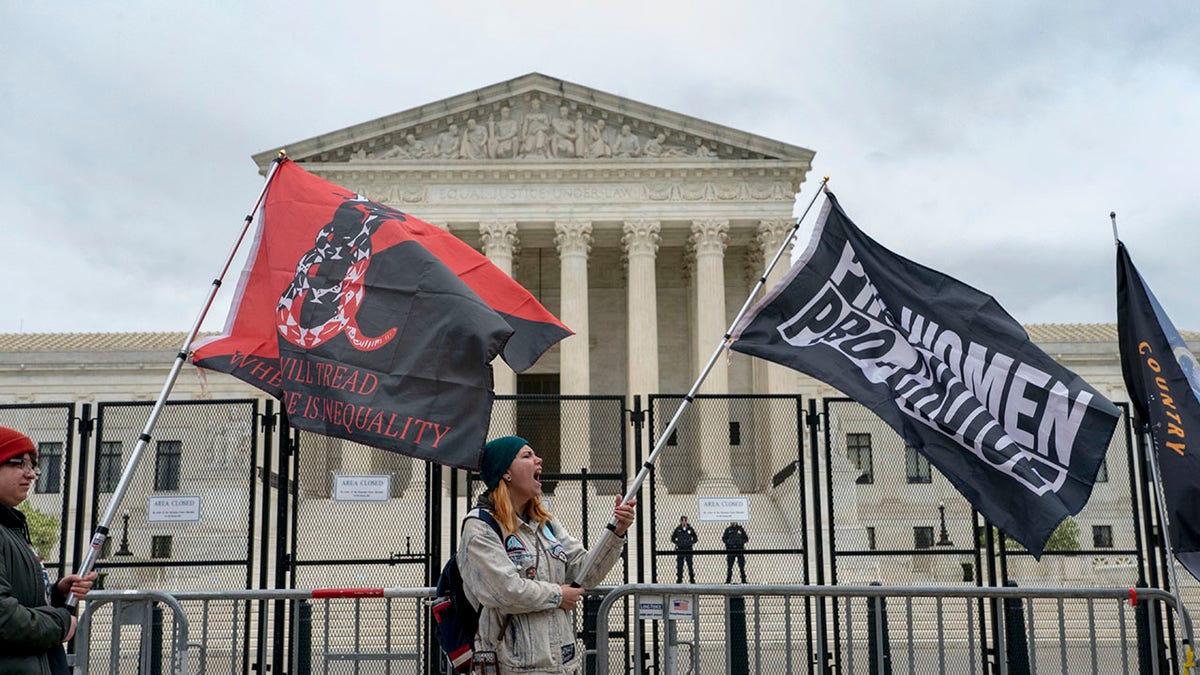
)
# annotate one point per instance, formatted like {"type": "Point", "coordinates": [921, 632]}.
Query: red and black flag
{"type": "Point", "coordinates": [1021, 437]}
{"type": "Point", "coordinates": [1163, 380]}
{"type": "Point", "coordinates": [374, 326]}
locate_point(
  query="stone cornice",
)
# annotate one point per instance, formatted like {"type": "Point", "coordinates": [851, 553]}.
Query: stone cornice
{"type": "Point", "coordinates": [616, 110]}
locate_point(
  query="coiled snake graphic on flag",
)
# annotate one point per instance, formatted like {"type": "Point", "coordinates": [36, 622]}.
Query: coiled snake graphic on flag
{"type": "Point", "coordinates": [324, 297]}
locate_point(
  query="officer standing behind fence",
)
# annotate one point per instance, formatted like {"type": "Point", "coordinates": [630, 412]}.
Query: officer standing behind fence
{"type": "Point", "coordinates": [33, 619]}
{"type": "Point", "coordinates": [735, 539]}
{"type": "Point", "coordinates": [684, 537]}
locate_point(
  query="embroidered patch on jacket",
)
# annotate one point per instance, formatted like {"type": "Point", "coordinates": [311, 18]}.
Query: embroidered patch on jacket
{"type": "Point", "coordinates": [558, 552]}
{"type": "Point", "coordinates": [512, 544]}
{"type": "Point", "coordinates": [568, 653]}
{"type": "Point", "coordinates": [549, 533]}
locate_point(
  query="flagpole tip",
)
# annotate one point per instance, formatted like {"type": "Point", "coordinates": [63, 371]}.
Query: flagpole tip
{"type": "Point", "coordinates": [282, 153]}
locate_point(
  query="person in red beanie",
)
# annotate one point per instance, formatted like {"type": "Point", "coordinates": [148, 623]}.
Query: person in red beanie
{"type": "Point", "coordinates": [34, 621]}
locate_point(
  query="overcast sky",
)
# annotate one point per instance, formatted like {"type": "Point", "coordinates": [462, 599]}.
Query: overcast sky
{"type": "Point", "coordinates": [988, 141]}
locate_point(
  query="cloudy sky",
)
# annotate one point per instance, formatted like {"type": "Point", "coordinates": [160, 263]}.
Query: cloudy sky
{"type": "Point", "coordinates": [989, 141]}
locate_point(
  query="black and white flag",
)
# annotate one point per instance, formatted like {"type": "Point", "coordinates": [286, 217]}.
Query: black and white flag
{"type": "Point", "coordinates": [944, 365]}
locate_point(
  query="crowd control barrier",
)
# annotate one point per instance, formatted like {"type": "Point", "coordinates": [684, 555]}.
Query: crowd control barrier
{"type": "Point", "coordinates": [711, 629]}
{"type": "Point", "coordinates": [672, 630]}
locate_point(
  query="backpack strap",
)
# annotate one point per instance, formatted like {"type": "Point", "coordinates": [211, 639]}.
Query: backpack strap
{"type": "Point", "coordinates": [486, 516]}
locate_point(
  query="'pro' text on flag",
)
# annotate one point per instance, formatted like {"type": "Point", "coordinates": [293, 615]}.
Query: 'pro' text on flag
{"type": "Point", "coordinates": [944, 365]}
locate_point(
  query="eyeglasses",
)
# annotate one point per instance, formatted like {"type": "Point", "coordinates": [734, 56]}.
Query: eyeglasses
{"type": "Point", "coordinates": [25, 465]}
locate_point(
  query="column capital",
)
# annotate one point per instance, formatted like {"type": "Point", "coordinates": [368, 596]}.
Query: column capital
{"type": "Point", "coordinates": [498, 237]}
{"type": "Point", "coordinates": [755, 262]}
{"type": "Point", "coordinates": [771, 233]}
{"type": "Point", "coordinates": [573, 237]}
{"type": "Point", "coordinates": [641, 237]}
{"type": "Point", "coordinates": [709, 236]}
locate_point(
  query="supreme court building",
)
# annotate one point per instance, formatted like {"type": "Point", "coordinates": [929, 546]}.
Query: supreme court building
{"type": "Point", "coordinates": [644, 230]}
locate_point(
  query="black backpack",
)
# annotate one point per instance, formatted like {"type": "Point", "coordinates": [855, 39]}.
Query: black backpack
{"type": "Point", "coordinates": [457, 620]}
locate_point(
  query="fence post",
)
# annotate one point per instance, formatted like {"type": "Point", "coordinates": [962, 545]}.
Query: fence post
{"type": "Point", "coordinates": [879, 647]}
{"type": "Point", "coordinates": [304, 638]}
{"type": "Point", "coordinates": [739, 655]}
{"type": "Point", "coordinates": [156, 640]}
{"type": "Point", "coordinates": [591, 605]}
{"type": "Point", "coordinates": [1017, 644]}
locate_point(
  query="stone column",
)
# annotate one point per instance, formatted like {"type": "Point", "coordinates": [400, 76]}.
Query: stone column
{"type": "Point", "coordinates": [778, 425]}
{"type": "Point", "coordinates": [772, 378]}
{"type": "Point", "coordinates": [574, 241]}
{"type": "Point", "coordinates": [708, 239]}
{"type": "Point", "coordinates": [500, 245]}
{"type": "Point", "coordinates": [640, 242]}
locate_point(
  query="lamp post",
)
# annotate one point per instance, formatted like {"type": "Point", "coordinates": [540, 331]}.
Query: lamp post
{"type": "Point", "coordinates": [944, 536]}
{"type": "Point", "coordinates": [124, 550]}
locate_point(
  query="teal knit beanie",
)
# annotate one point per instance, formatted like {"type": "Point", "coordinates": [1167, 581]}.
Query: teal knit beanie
{"type": "Point", "coordinates": [497, 456]}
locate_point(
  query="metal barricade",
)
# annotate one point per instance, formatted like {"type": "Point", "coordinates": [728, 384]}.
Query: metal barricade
{"type": "Point", "coordinates": [753, 629]}
{"type": "Point", "coordinates": [331, 631]}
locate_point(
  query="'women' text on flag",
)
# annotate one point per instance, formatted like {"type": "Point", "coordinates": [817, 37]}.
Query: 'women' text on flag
{"type": "Point", "coordinates": [1021, 437]}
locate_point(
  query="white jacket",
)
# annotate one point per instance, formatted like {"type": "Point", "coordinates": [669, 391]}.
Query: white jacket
{"type": "Point", "coordinates": [521, 578]}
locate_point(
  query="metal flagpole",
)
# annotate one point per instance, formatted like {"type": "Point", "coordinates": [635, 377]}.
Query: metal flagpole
{"type": "Point", "coordinates": [101, 534]}
{"type": "Point", "coordinates": [1164, 522]}
{"type": "Point", "coordinates": [721, 347]}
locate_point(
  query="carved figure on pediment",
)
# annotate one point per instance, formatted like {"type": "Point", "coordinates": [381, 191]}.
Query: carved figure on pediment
{"type": "Point", "coordinates": [503, 141]}
{"type": "Point", "coordinates": [674, 151]}
{"type": "Point", "coordinates": [394, 152]}
{"type": "Point", "coordinates": [565, 134]}
{"type": "Point", "coordinates": [475, 141]}
{"type": "Point", "coordinates": [654, 146]}
{"type": "Point", "coordinates": [359, 155]}
{"type": "Point", "coordinates": [703, 151]}
{"type": "Point", "coordinates": [535, 132]}
{"type": "Point", "coordinates": [446, 145]}
{"type": "Point", "coordinates": [597, 145]}
{"type": "Point", "coordinates": [416, 148]}
{"type": "Point", "coordinates": [627, 144]}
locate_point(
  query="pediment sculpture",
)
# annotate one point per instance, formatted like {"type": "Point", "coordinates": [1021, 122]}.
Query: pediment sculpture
{"type": "Point", "coordinates": [509, 131]}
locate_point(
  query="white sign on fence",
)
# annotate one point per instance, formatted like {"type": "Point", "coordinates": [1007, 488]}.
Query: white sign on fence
{"type": "Point", "coordinates": [681, 607]}
{"type": "Point", "coordinates": [173, 509]}
{"type": "Point", "coordinates": [362, 488]}
{"type": "Point", "coordinates": [650, 607]}
{"type": "Point", "coordinates": [723, 509]}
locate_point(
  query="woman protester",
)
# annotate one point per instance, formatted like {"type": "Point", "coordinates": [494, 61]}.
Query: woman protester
{"type": "Point", "coordinates": [522, 580]}
{"type": "Point", "coordinates": [34, 621]}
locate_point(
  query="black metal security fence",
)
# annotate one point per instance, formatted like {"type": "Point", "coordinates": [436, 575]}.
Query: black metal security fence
{"type": "Point", "coordinates": [227, 496]}
{"type": "Point", "coordinates": [50, 508]}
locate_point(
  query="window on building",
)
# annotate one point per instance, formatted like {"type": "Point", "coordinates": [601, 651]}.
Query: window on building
{"type": "Point", "coordinates": [870, 538]}
{"type": "Point", "coordinates": [858, 451]}
{"type": "Point", "coordinates": [108, 466]}
{"type": "Point", "coordinates": [166, 465]}
{"type": "Point", "coordinates": [160, 546]}
{"type": "Point", "coordinates": [50, 459]}
{"type": "Point", "coordinates": [916, 467]}
{"type": "Point", "coordinates": [1102, 473]}
{"type": "Point", "coordinates": [1102, 536]}
{"type": "Point", "coordinates": [923, 537]}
